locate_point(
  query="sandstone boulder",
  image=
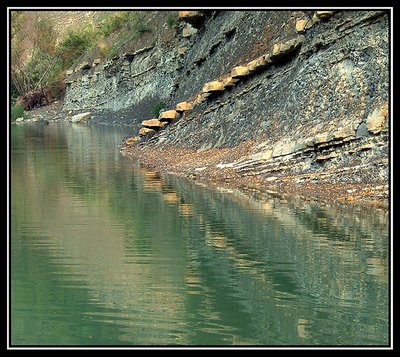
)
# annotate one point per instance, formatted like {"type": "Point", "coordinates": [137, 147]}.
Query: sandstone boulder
{"type": "Point", "coordinates": [301, 25]}
{"type": "Point", "coordinates": [259, 63]}
{"type": "Point", "coordinates": [183, 106]}
{"type": "Point", "coordinates": [375, 120]}
{"type": "Point", "coordinates": [323, 15]}
{"type": "Point", "coordinates": [182, 50]}
{"type": "Point", "coordinates": [200, 98]}
{"type": "Point", "coordinates": [132, 140]}
{"type": "Point", "coordinates": [215, 86]}
{"type": "Point", "coordinates": [168, 115]}
{"type": "Point", "coordinates": [229, 81]}
{"type": "Point", "coordinates": [145, 131]}
{"type": "Point", "coordinates": [192, 17]}
{"type": "Point", "coordinates": [153, 123]}
{"type": "Point", "coordinates": [240, 72]}
{"type": "Point", "coordinates": [282, 49]}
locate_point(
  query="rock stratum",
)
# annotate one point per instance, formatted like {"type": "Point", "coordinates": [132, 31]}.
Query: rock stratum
{"type": "Point", "coordinates": [260, 98]}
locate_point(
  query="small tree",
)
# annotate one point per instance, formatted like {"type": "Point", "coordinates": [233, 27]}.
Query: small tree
{"type": "Point", "coordinates": [33, 53]}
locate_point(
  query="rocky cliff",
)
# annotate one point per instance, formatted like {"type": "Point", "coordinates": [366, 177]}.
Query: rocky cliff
{"type": "Point", "coordinates": [306, 91]}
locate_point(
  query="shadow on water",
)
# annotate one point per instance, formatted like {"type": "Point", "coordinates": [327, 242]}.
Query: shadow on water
{"type": "Point", "coordinates": [104, 252]}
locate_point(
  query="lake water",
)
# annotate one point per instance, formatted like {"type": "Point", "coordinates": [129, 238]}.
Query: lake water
{"type": "Point", "coordinates": [104, 253]}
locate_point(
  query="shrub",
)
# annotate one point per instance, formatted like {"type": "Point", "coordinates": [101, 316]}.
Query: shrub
{"type": "Point", "coordinates": [135, 22]}
{"type": "Point", "coordinates": [155, 109]}
{"type": "Point", "coordinates": [17, 111]}
{"type": "Point", "coordinates": [172, 20]}
{"type": "Point", "coordinates": [114, 23]}
{"type": "Point", "coordinates": [75, 44]}
{"type": "Point", "coordinates": [121, 28]}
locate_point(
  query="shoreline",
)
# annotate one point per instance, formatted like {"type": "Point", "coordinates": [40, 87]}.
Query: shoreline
{"type": "Point", "coordinates": [208, 167]}
{"type": "Point", "coordinates": [203, 167]}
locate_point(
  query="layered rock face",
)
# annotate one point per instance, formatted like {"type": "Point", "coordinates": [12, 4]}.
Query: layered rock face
{"type": "Point", "coordinates": [134, 82]}
{"type": "Point", "coordinates": [309, 88]}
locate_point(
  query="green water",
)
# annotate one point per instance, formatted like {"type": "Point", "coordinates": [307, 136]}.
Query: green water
{"type": "Point", "coordinates": [106, 253]}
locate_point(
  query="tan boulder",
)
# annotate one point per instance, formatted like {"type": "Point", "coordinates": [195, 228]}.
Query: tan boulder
{"type": "Point", "coordinates": [229, 81]}
{"type": "Point", "coordinates": [215, 86]}
{"type": "Point", "coordinates": [282, 49]}
{"type": "Point", "coordinates": [153, 123]}
{"type": "Point", "coordinates": [145, 131]}
{"type": "Point", "coordinates": [183, 106]}
{"type": "Point", "coordinates": [258, 63]}
{"type": "Point", "coordinates": [200, 98]}
{"type": "Point", "coordinates": [239, 72]}
{"type": "Point", "coordinates": [182, 50]}
{"type": "Point", "coordinates": [276, 49]}
{"type": "Point", "coordinates": [131, 140]}
{"type": "Point", "coordinates": [376, 119]}
{"type": "Point", "coordinates": [192, 17]}
{"type": "Point", "coordinates": [323, 15]}
{"type": "Point", "coordinates": [301, 25]}
{"type": "Point", "coordinates": [168, 115]}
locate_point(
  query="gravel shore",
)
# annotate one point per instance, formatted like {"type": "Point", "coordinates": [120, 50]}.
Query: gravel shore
{"type": "Point", "coordinates": [206, 167]}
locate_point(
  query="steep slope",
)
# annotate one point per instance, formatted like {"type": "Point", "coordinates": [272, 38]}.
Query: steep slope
{"type": "Point", "coordinates": [306, 93]}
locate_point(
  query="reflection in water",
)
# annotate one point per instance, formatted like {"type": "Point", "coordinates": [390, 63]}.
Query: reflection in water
{"type": "Point", "coordinates": [104, 252]}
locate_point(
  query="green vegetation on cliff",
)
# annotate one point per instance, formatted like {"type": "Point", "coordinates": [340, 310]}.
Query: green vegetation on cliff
{"type": "Point", "coordinates": [41, 55]}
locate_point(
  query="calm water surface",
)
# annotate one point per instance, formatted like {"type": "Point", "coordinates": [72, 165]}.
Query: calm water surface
{"type": "Point", "coordinates": [106, 253]}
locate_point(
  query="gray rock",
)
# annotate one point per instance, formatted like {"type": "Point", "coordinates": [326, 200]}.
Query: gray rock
{"type": "Point", "coordinates": [80, 117]}
{"type": "Point", "coordinates": [188, 31]}
{"type": "Point", "coordinates": [362, 131]}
